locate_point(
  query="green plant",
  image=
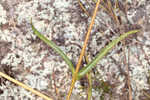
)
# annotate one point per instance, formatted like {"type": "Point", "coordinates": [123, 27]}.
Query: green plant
{"type": "Point", "coordinates": [91, 64]}
{"type": "Point", "coordinates": [55, 47]}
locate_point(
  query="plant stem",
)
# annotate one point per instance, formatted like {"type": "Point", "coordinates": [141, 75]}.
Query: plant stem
{"type": "Point", "coordinates": [83, 50]}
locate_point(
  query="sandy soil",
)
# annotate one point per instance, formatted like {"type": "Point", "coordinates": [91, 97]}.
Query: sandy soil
{"type": "Point", "coordinates": [26, 58]}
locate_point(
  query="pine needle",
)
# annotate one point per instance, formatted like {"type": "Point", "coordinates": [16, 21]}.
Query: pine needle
{"type": "Point", "coordinates": [24, 86]}
{"type": "Point", "coordinates": [83, 50]}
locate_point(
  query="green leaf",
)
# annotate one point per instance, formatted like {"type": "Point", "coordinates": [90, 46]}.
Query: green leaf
{"type": "Point", "coordinates": [54, 46]}
{"type": "Point", "coordinates": [102, 53]}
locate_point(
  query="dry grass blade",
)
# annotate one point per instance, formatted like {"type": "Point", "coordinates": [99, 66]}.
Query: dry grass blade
{"type": "Point", "coordinates": [146, 94]}
{"type": "Point", "coordinates": [111, 11]}
{"type": "Point", "coordinates": [127, 69]}
{"type": "Point", "coordinates": [109, 8]}
{"type": "Point", "coordinates": [83, 8]}
{"type": "Point", "coordinates": [129, 86]}
{"type": "Point", "coordinates": [25, 86]}
{"type": "Point", "coordinates": [83, 50]}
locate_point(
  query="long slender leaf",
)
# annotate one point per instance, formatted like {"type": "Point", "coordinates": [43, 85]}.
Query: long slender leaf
{"type": "Point", "coordinates": [54, 46]}
{"type": "Point", "coordinates": [102, 53]}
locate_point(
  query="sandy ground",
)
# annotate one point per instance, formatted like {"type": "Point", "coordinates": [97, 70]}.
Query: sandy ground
{"type": "Point", "coordinates": [26, 58]}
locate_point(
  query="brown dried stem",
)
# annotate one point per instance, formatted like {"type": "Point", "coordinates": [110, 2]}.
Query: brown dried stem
{"type": "Point", "coordinates": [83, 8]}
{"type": "Point", "coordinates": [83, 50]}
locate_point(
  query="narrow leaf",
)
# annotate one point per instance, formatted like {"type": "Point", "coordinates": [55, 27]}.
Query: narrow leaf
{"type": "Point", "coordinates": [102, 53]}
{"type": "Point", "coordinates": [54, 46]}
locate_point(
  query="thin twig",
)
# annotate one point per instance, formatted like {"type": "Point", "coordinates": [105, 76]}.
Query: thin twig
{"type": "Point", "coordinates": [127, 69]}
{"type": "Point", "coordinates": [146, 94]}
{"type": "Point", "coordinates": [83, 50]}
{"type": "Point", "coordinates": [83, 8]}
{"type": "Point", "coordinates": [110, 8]}
{"type": "Point", "coordinates": [25, 86]}
{"type": "Point", "coordinates": [129, 82]}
